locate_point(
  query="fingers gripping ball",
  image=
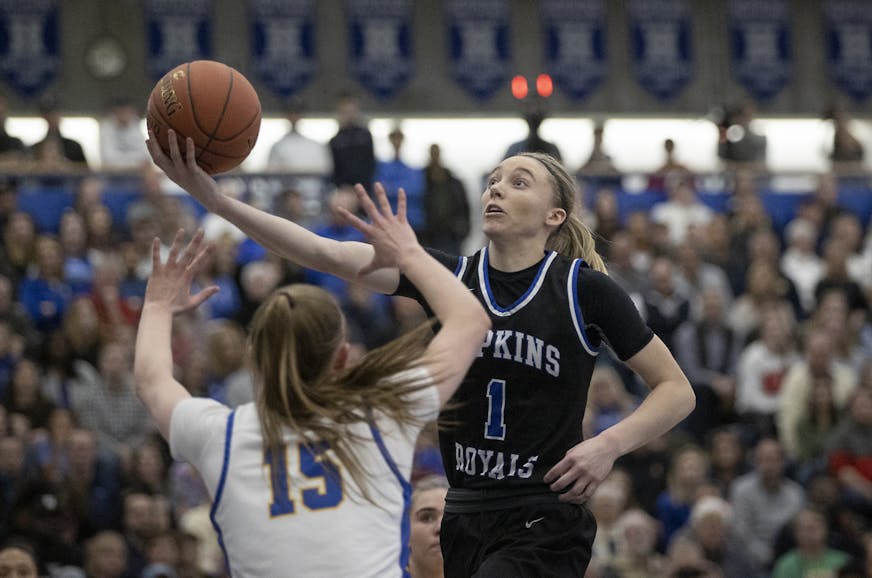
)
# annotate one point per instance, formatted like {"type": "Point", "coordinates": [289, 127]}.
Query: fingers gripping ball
{"type": "Point", "coordinates": [213, 104]}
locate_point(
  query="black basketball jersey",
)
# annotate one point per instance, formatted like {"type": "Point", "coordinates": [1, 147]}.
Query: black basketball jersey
{"type": "Point", "coordinates": [521, 405]}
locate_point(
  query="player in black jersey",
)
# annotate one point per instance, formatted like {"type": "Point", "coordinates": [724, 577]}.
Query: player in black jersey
{"type": "Point", "coordinates": [519, 469]}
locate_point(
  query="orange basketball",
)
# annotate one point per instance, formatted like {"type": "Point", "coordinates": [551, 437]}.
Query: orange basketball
{"type": "Point", "coordinates": [214, 105]}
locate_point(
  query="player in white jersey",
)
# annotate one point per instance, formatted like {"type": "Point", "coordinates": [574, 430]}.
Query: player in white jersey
{"type": "Point", "coordinates": [312, 478]}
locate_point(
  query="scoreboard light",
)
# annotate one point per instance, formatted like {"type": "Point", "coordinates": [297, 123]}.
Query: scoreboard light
{"type": "Point", "coordinates": [519, 87]}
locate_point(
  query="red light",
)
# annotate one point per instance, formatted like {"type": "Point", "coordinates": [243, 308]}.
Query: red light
{"type": "Point", "coordinates": [519, 87]}
{"type": "Point", "coordinates": [544, 85]}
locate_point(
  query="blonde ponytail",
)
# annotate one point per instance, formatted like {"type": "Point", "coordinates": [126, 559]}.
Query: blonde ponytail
{"type": "Point", "coordinates": [572, 239]}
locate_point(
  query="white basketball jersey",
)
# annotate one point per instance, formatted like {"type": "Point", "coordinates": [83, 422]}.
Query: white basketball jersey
{"type": "Point", "coordinates": [288, 515]}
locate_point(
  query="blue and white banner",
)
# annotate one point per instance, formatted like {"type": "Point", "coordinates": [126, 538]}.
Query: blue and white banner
{"type": "Point", "coordinates": [30, 59]}
{"type": "Point", "coordinates": [283, 43]}
{"type": "Point", "coordinates": [380, 33]}
{"type": "Point", "coordinates": [849, 45]}
{"type": "Point", "coordinates": [478, 44]}
{"type": "Point", "coordinates": [177, 32]}
{"type": "Point", "coordinates": [662, 49]}
{"type": "Point", "coordinates": [575, 44]}
{"type": "Point", "coordinates": [760, 45]}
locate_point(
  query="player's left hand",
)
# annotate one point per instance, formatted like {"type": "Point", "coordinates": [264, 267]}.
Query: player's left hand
{"type": "Point", "coordinates": [169, 284]}
{"type": "Point", "coordinates": [577, 476]}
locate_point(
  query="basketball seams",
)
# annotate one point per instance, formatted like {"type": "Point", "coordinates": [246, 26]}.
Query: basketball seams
{"type": "Point", "coordinates": [220, 118]}
{"type": "Point", "coordinates": [253, 120]}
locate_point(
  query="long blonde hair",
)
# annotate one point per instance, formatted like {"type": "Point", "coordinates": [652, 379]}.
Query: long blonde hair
{"type": "Point", "coordinates": [572, 238]}
{"type": "Point", "coordinates": [294, 337]}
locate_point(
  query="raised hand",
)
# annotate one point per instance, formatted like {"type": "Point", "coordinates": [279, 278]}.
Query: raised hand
{"type": "Point", "coordinates": [169, 284]}
{"type": "Point", "coordinates": [390, 235]}
{"type": "Point", "coordinates": [185, 172]}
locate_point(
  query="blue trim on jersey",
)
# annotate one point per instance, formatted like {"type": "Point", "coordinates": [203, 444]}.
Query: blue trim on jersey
{"type": "Point", "coordinates": [405, 526]}
{"type": "Point", "coordinates": [484, 280]}
{"type": "Point", "coordinates": [461, 267]}
{"type": "Point", "coordinates": [220, 490]}
{"type": "Point", "coordinates": [575, 307]}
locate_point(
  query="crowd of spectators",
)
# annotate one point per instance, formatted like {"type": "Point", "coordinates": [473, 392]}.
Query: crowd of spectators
{"type": "Point", "coordinates": [772, 472]}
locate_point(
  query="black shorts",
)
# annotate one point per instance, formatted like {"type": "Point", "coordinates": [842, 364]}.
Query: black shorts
{"type": "Point", "coordinates": [529, 540]}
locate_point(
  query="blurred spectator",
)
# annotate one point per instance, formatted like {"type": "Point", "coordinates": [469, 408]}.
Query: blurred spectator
{"type": "Point", "coordinates": [163, 553]}
{"type": "Point", "coordinates": [727, 458]}
{"type": "Point", "coordinates": [765, 291]}
{"type": "Point", "coordinates": [257, 280]}
{"type": "Point", "coordinates": [17, 560]}
{"type": "Point", "coordinates": [812, 556]}
{"type": "Point", "coordinates": [816, 366]}
{"type": "Point", "coordinates": [604, 219]}
{"type": "Point", "coordinates": [78, 271]}
{"type": "Point", "coordinates": [110, 406]}
{"type": "Point", "coordinates": [49, 451]}
{"type": "Point", "coordinates": [351, 148]}
{"type": "Point", "coordinates": [715, 245]}
{"type": "Point", "coordinates": [427, 461]}
{"type": "Point", "coordinates": [608, 502]}
{"type": "Point", "coordinates": [12, 150]}
{"type": "Point", "coordinates": [639, 227]}
{"type": "Point", "coordinates": [24, 395]}
{"type": "Point", "coordinates": [686, 482]}
{"type": "Point", "coordinates": [760, 374]}
{"type": "Point", "coordinates": [55, 152]}
{"type": "Point", "coordinates": [366, 316]}
{"type": "Point", "coordinates": [230, 379]}
{"type": "Point", "coordinates": [686, 559]}
{"type": "Point", "coordinates": [850, 451]}
{"type": "Point", "coordinates": [144, 225]}
{"type": "Point", "coordinates": [608, 402]}
{"type": "Point", "coordinates": [105, 555]}
{"type": "Point", "coordinates": [666, 308]}
{"type": "Point", "coordinates": [696, 276]}
{"type": "Point", "coordinates": [848, 228]}
{"type": "Point", "coordinates": [623, 270]}
{"type": "Point", "coordinates": [836, 276]}
{"type": "Point", "coordinates": [800, 263]}
{"type": "Point", "coordinates": [647, 467]}
{"type": "Point", "coordinates": [446, 207]}
{"type": "Point", "coordinates": [12, 477]}
{"type": "Point", "coordinates": [45, 293]}
{"type": "Point", "coordinates": [670, 172]}
{"type": "Point", "coordinates": [102, 239]}
{"type": "Point", "coordinates": [637, 556]}
{"type": "Point", "coordinates": [94, 482]}
{"type": "Point", "coordinates": [427, 507]}
{"type": "Point", "coordinates": [763, 501]}
{"type": "Point", "coordinates": [737, 140]}
{"type": "Point", "coordinates": [140, 523]}
{"type": "Point", "coordinates": [847, 151]}
{"type": "Point", "coordinates": [533, 142]}
{"type": "Point", "coordinates": [824, 205]}
{"type": "Point", "coordinates": [148, 470]}
{"type": "Point", "coordinates": [395, 174]}
{"type": "Point", "coordinates": [682, 212]}
{"type": "Point", "coordinates": [43, 516]}
{"type": "Point", "coordinates": [220, 269]}
{"type": "Point", "coordinates": [122, 140]}
{"type": "Point", "coordinates": [19, 247]}
{"type": "Point", "coordinates": [308, 160]}
{"type": "Point", "coordinates": [711, 527]}
{"type": "Point", "coordinates": [215, 226]}
{"type": "Point", "coordinates": [707, 349]}
{"type": "Point", "coordinates": [599, 162]}
{"type": "Point", "coordinates": [23, 336]}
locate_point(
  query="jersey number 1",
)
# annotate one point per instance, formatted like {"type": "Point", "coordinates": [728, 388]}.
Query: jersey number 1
{"type": "Point", "coordinates": [495, 427]}
{"type": "Point", "coordinates": [314, 465]}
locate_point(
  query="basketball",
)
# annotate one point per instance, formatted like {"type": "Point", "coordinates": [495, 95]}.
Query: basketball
{"type": "Point", "coordinates": [213, 104]}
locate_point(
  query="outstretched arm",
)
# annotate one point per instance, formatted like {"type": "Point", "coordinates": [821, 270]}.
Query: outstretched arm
{"type": "Point", "coordinates": [671, 399]}
{"type": "Point", "coordinates": [464, 322]}
{"type": "Point", "coordinates": [167, 293]}
{"type": "Point", "coordinates": [281, 236]}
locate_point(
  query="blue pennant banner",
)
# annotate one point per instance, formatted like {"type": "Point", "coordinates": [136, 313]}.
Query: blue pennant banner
{"type": "Point", "coordinates": [575, 44]}
{"type": "Point", "coordinates": [30, 41]}
{"type": "Point", "coordinates": [177, 32]}
{"type": "Point", "coordinates": [849, 45]}
{"type": "Point", "coordinates": [380, 32]}
{"type": "Point", "coordinates": [760, 45]}
{"type": "Point", "coordinates": [478, 40]}
{"type": "Point", "coordinates": [662, 50]}
{"type": "Point", "coordinates": [283, 43]}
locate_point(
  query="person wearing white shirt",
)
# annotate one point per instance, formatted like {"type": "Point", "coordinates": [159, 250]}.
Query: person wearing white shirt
{"type": "Point", "coordinates": [312, 479]}
{"type": "Point", "coordinates": [800, 263]}
{"type": "Point", "coordinates": [122, 147]}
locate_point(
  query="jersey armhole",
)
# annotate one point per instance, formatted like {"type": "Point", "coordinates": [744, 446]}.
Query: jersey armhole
{"type": "Point", "coordinates": [575, 309]}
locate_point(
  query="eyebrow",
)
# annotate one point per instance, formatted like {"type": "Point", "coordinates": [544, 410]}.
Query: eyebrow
{"type": "Point", "coordinates": [518, 169]}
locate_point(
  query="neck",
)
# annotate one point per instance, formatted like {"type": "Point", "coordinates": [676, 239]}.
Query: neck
{"type": "Point", "coordinates": [419, 570]}
{"type": "Point", "coordinates": [510, 256]}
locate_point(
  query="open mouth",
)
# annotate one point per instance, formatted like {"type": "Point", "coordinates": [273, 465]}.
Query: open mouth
{"type": "Point", "coordinates": [493, 209]}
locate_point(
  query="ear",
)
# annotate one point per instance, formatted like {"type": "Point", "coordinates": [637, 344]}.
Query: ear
{"type": "Point", "coordinates": [555, 217]}
{"type": "Point", "coordinates": [340, 358]}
